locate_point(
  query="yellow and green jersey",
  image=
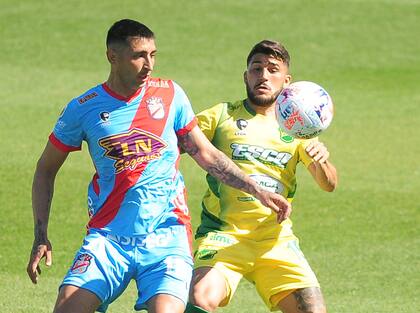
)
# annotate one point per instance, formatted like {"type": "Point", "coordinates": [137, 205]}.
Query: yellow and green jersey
{"type": "Point", "coordinates": [260, 149]}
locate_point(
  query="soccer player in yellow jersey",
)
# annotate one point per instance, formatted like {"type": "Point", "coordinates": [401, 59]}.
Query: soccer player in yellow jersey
{"type": "Point", "coordinates": [238, 236]}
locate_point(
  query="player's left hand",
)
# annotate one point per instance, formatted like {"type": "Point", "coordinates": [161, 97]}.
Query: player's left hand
{"type": "Point", "coordinates": [318, 152]}
{"type": "Point", "coordinates": [277, 203]}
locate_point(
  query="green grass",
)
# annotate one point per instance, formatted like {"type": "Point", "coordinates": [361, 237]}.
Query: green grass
{"type": "Point", "coordinates": [362, 240]}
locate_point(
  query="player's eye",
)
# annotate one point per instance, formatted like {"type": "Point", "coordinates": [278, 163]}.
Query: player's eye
{"type": "Point", "coordinates": [256, 69]}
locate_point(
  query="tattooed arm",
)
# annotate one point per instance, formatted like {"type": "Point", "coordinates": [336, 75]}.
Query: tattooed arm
{"type": "Point", "coordinates": [217, 164]}
{"type": "Point", "coordinates": [42, 193]}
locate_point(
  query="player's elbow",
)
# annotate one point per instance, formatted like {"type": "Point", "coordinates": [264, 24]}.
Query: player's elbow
{"type": "Point", "coordinates": [330, 186]}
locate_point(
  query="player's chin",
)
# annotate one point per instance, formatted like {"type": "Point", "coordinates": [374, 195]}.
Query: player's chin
{"type": "Point", "coordinates": [263, 100]}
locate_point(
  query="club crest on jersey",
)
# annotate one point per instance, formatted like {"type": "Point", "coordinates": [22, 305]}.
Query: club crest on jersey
{"type": "Point", "coordinates": [132, 148]}
{"type": "Point", "coordinates": [155, 107]}
{"type": "Point", "coordinates": [81, 263]}
{"type": "Point", "coordinates": [285, 137]}
{"type": "Point", "coordinates": [241, 124]}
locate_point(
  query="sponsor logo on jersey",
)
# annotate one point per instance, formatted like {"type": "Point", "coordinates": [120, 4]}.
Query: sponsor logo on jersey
{"type": "Point", "coordinates": [205, 254]}
{"type": "Point", "coordinates": [60, 122]}
{"type": "Point", "coordinates": [224, 240]}
{"type": "Point", "coordinates": [150, 241]}
{"type": "Point", "coordinates": [252, 153]}
{"type": "Point", "coordinates": [158, 83]}
{"type": "Point", "coordinates": [104, 116]}
{"type": "Point", "coordinates": [81, 263]}
{"type": "Point", "coordinates": [268, 183]}
{"type": "Point", "coordinates": [87, 97]}
{"type": "Point", "coordinates": [132, 148]}
{"type": "Point", "coordinates": [155, 108]}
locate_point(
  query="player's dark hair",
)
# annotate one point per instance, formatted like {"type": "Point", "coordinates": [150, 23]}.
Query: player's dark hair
{"type": "Point", "coordinates": [121, 30]}
{"type": "Point", "coordinates": [270, 47]}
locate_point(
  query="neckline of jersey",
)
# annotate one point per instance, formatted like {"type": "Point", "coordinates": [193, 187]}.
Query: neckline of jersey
{"type": "Point", "coordinates": [248, 108]}
{"type": "Point", "coordinates": [120, 97]}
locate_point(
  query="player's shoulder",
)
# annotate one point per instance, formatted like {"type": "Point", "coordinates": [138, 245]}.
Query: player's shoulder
{"type": "Point", "coordinates": [225, 107]}
{"type": "Point", "coordinates": [83, 100]}
{"type": "Point", "coordinates": [87, 97]}
{"type": "Point", "coordinates": [232, 107]}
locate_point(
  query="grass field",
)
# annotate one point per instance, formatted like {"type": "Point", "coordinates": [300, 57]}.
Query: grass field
{"type": "Point", "coordinates": [362, 240]}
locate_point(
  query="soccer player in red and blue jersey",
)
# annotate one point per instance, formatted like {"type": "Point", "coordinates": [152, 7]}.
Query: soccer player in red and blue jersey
{"type": "Point", "coordinates": [139, 225]}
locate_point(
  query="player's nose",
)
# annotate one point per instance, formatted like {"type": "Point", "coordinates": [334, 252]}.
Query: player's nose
{"type": "Point", "coordinates": [149, 63]}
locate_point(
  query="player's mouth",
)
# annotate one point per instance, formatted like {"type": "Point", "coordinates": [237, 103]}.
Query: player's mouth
{"type": "Point", "coordinates": [142, 78]}
{"type": "Point", "coordinates": [262, 88]}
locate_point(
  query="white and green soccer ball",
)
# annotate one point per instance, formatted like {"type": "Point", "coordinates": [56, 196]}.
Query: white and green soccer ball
{"type": "Point", "coordinates": [304, 109]}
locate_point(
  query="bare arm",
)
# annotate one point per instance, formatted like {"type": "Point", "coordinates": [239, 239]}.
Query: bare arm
{"type": "Point", "coordinates": [42, 193]}
{"type": "Point", "coordinates": [322, 170]}
{"type": "Point", "coordinates": [217, 164]}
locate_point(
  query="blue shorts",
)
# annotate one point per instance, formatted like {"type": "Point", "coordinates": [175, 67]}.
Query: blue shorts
{"type": "Point", "coordinates": [159, 262]}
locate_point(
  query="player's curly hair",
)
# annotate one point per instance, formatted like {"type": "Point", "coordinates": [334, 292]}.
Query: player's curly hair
{"type": "Point", "coordinates": [121, 30]}
{"type": "Point", "coordinates": [270, 47]}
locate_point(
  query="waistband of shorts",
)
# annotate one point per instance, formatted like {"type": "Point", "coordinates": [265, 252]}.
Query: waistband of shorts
{"type": "Point", "coordinates": [155, 238]}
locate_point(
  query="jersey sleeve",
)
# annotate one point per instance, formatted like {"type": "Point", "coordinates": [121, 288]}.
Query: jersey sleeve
{"type": "Point", "coordinates": [209, 119]}
{"type": "Point", "coordinates": [67, 134]}
{"type": "Point", "coordinates": [303, 155]}
{"type": "Point", "coordinates": [185, 119]}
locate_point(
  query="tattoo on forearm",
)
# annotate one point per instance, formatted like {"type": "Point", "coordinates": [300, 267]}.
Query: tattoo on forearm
{"type": "Point", "coordinates": [221, 168]}
{"type": "Point", "coordinates": [227, 172]}
{"type": "Point", "coordinates": [188, 144]}
{"type": "Point", "coordinates": [309, 300]}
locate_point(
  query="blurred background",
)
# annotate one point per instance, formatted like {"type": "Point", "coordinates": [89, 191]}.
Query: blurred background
{"type": "Point", "coordinates": [362, 240]}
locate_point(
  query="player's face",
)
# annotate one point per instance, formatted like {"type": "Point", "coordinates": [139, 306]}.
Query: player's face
{"type": "Point", "coordinates": [265, 78]}
{"type": "Point", "coordinates": [134, 63]}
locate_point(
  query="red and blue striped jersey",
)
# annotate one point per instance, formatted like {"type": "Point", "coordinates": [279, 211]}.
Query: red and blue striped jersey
{"type": "Point", "coordinates": [137, 186]}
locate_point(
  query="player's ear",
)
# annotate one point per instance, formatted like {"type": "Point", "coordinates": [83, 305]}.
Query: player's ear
{"type": "Point", "coordinates": [287, 80]}
{"type": "Point", "coordinates": [245, 79]}
{"type": "Point", "coordinates": [111, 55]}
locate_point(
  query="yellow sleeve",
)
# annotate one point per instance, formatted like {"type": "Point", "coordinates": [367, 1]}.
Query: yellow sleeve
{"type": "Point", "coordinates": [209, 119]}
{"type": "Point", "coordinates": [303, 156]}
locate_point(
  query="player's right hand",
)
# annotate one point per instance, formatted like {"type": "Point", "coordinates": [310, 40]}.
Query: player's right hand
{"type": "Point", "coordinates": [277, 203]}
{"type": "Point", "coordinates": [39, 251]}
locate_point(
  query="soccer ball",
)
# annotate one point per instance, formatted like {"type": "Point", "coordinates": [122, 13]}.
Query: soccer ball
{"type": "Point", "coordinates": [304, 109]}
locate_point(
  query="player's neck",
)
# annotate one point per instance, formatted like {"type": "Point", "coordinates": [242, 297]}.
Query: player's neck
{"type": "Point", "coordinates": [118, 86]}
{"type": "Point", "coordinates": [263, 110]}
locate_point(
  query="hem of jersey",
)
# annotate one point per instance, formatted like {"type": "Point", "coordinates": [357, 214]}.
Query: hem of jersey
{"type": "Point", "coordinates": [61, 146]}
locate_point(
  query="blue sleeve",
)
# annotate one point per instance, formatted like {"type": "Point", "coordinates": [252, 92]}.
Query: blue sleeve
{"type": "Point", "coordinates": [68, 133]}
{"type": "Point", "coordinates": [185, 118]}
